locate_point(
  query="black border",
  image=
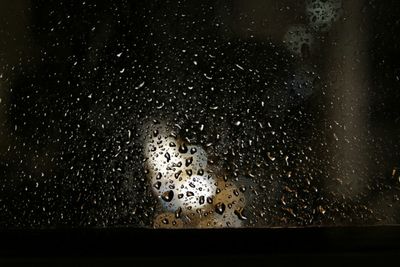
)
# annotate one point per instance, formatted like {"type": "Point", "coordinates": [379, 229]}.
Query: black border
{"type": "Point", "coordinates": [153, 243]}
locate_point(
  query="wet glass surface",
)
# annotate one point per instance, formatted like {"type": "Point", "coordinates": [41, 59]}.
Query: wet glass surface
{"type": "Point", "coordinates": [199, 114]}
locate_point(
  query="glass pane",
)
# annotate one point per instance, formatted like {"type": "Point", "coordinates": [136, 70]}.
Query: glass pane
{"type": "Point", "coordinates": [199, 114]}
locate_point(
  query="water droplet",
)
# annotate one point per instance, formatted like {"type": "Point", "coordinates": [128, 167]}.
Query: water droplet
{"type": "Point", "coordinates": [220, 208]}
{"type": "Point", "coordinates": [188, 161]}
{"type": "Point", "coordinates": [168, 196]}
{"type": "Point", "coordinates": [239, 214]}
{"type": "Point", "coordinates": [178, 213]}
{"type": "Point", "coordinates": [177, 174]}
{"type": "Point", "coordinates": [240, 67]}
{"type": "Point", "coordinates": [167, 156]}
{"type": "Point", "coordinates": [172, 144]}
{"type": "Point", "coordinates": [270, 156]}
{"type": "Point", "coordinates": [139, 86]}
{"type": "Point", "coordinates": [157, 185]}
{"type": "Point", "coordinates": [201, 200]}
{"type": "Point", "coordinates": [207, 77]}
{"type": "Point", "coordinates": [183, 148]}
{"type": "Point", "coordinates": [236, 192]}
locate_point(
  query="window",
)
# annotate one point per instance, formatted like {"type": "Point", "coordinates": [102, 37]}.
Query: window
{"type": "Point", "coordinates": [199, 114]}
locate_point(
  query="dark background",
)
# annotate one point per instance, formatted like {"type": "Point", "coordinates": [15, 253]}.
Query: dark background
{"type": "Point", "coordinates": [68, 100]}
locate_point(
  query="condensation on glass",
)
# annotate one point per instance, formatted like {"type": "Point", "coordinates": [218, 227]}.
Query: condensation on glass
{"type": "Point", "coordinates": [199, 114]}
